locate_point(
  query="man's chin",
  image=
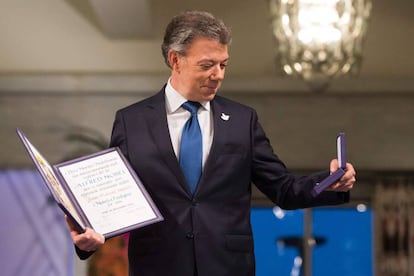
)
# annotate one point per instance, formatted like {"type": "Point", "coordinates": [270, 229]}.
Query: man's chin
{"type": "Point", "coordinates": [209, 96]}
{"type": "Point", "coordinates": [208, 93]}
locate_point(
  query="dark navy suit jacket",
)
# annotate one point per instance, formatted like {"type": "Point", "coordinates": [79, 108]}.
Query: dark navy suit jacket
{"type": "Point", "coordinates": [208, 231]}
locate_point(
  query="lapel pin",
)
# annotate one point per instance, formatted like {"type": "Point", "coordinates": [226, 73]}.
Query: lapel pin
{"type": "Point", "coordinates": [225, 117]}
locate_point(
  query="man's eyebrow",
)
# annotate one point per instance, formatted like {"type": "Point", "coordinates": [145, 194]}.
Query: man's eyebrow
{"type": "Point", "coordinates": [212, 61]}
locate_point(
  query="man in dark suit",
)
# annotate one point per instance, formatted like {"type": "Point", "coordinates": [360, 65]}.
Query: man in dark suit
{"type": "Point", "coordinates": [206, 231]}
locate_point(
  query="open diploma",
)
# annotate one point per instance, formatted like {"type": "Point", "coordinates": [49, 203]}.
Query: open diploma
{"type": "Point", "coordinates": [335, 176]}
{"type": "Point", "coordinates": [100, 191]}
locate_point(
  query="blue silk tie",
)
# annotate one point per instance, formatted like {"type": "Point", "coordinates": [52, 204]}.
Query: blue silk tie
{"type": "Point", "coordinates": [191, 147]}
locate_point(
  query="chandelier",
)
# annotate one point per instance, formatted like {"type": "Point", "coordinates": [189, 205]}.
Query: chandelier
{"type": "Point", "coordinates": [318, 40]}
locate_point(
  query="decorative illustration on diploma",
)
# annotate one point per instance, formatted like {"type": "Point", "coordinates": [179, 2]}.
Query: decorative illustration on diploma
{"type": "Point", "coordinates": [100, 191]}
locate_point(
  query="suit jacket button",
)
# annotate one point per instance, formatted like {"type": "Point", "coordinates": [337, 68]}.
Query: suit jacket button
{"type": "Point", "coordinates": [189, 235]}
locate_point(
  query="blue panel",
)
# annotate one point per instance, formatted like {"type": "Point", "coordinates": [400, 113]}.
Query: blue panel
{"type": "Point", "coordinates": [35, 239]}
{"type": "Point", "coordinates": [348, 244]}
{"type": "Point", "coordinates": [272, 259]}
{"type": "Point", "coordinates": [346, 250]}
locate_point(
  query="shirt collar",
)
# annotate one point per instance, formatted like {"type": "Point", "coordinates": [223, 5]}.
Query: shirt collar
{"type": "Point", "coordinates": [174, 99]}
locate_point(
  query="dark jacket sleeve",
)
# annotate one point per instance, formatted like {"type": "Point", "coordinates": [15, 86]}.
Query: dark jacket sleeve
{"type": "Point", "coordinates": [283, 188]}
{"type": "Point", "coordinates": [83, 255]}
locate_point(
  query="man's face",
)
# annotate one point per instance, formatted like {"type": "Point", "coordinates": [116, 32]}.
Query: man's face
{"type": "Point", "coordinates": [198, 75]}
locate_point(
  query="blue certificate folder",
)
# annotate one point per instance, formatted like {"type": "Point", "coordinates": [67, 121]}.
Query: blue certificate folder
{"type": "Point", "coordinates": [335, 176]}
{"type": "Point", "coordinates": [100, 191]}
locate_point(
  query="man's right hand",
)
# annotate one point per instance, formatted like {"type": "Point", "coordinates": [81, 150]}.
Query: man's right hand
{"type": "Point", "coordinates": [86, 241]}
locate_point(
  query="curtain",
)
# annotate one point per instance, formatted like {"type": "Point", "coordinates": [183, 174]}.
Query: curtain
{"type": "Point", "coordinates": [394, 226]}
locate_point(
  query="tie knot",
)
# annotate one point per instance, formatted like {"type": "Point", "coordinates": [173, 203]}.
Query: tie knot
{"type": "Point", "coordinates": [191, 106]}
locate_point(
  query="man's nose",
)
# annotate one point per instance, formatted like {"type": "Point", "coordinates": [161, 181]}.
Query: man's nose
{"type": "Point", "coordinates": [218, 73]}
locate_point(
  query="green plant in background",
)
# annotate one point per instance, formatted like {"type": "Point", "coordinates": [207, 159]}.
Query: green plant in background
{"type": "Point", "coordinates": [86, 140]}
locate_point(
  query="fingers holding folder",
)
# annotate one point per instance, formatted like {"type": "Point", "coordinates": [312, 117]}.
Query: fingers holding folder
{"type": "Point", "coordinates": [347, 181]}
{"type": "Point", "coordinates": [86, 241]}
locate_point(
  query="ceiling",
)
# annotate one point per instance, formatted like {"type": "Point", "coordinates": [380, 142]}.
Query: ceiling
{"type": "Point", "coordinates": [123, 37]}
{"type": "Point", "coordinates": [388, 45]}
{"type": "Point", "coordinates": [128, 19]}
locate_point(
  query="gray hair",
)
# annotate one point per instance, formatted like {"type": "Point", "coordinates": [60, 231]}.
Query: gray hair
{"type": "Point", "coordinates": [185, 27]}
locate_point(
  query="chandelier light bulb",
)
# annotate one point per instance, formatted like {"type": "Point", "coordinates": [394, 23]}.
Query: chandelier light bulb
{"type": "Point", "coordinates": [318, 40]}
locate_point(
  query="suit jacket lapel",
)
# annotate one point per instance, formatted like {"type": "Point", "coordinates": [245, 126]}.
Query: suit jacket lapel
{"type": "Point", "coordinates": [156, 118]}
{"type": "Point", "coordinates": [220, 133]}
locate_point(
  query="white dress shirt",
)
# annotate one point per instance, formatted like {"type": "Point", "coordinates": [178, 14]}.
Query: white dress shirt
{"type": "Point", "coordinates": [177, 116]}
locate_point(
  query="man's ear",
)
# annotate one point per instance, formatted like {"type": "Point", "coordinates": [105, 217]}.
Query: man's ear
{"type": "Point", "coordinates": [173, 60]}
